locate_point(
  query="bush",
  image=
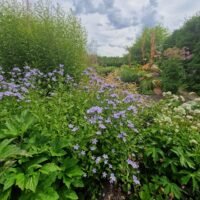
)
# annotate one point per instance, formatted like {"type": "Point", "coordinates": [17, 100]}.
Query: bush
{"type": "Point", "coordinates": [167, 149]}
{"type": "Point", "coordinates": [172, 75]}
{"type": "Point", "coordinates": [105, 70]}
{"type": "Point", "coordinates": [129, 75]}
{"type": "Point", "coordinates": [42, 36]}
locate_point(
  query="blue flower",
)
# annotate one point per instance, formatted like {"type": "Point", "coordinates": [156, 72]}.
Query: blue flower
{"type": "Point", "coordinates": [112, 178]}
{"type": "Point", "coordinates": [135, 180]}
{"type": "Point", "coordinates": [95, 109]}
{"type": "Point", "coordinates": [133, 164]}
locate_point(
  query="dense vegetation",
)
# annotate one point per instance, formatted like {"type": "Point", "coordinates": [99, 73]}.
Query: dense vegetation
{"type": "Point", "coordinates": [42, 36]}
{"type": "Point", "coordinates": [64, 138]}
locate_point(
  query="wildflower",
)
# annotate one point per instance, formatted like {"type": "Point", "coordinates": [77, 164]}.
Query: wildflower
{"type": "Point", "coordinates": [93, 157]}
{"type": "Point", "coordinates": [122, 136]}
{"type": "Point", "coordinates": [98, 160]}
{"type": "Point", "coordinates": [119, 114]}
{"type": "Point", "coordinates": [75, 129]}
{"type": "Point", "coordinates": [98, 133]}
{"type": "Point", "coordinates": [92, 148]}
{"type": "Point", "coordinates": [82, 153]}
{"type": "Point", "coordinates": [110, 166]}
{"type": "Point", "coordinates": [102, 126]}
{"type": "Point", "coordinates": [104, 174]}
{"type": "Point", "coordinates": [94, 170]}
{"type": "Point", "coordinates": [76, 147]}
{"type": "Point", "coordinates": [105, 156]}
{"type": "Point", "coordinates": [95, 109]}
{"type": "Point", "coordinates": [71, 126]}
{"type": "Point", "coordinates": [94, 141]}
{"type": "Point", "coordinates": [133, 164]}
{"type": "Point", "coordinates": [105, 162]}
{"type": "Point", "coordinates": [135, 180]}
{"type": "Point", "coordinates": [112, 178]}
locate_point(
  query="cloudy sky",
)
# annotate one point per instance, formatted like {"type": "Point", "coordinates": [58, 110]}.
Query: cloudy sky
{"type": "Point", "coordinates": [113, 25]}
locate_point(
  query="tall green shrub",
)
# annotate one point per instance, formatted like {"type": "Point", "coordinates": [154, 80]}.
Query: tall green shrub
{"type": "Point", "coordinates": [42, 36]}
{"type": "Point", "coordinates": [172, 75]}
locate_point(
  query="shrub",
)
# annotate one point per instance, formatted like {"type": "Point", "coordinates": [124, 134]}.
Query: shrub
{"type": "Point", "coordinates": [168, 145]}
{"type": "Point", "coordinates": [128, 75]}
{"type": "Point", "coordinates": [172, 75]}
{"type": "Point", "coordinates": [105, 70]}
{"type": "Point", "coordinates": [42, 37]}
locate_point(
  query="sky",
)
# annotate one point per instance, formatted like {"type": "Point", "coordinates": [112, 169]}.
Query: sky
{"type": "Point", "coordinates": [113, 25]}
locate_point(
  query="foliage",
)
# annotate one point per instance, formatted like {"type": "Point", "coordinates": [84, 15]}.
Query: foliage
{"type": "Point", "coordinates": [169, 149]}
{"type": "Point", "coordinates": [104, 70]}
{"type": "Point", "coordinates": [141, 48]}
{"type": "Point", "coordinates": [129, 74]}
{"type": "Point", "coordinates": [188, 36]}
{"type": "Point", "coordinates": [56, 139]}
{"type": "Point", "coordinates": [111, 61]}
{"type": "Point", "coordinates": [172, 75]}
{"type": "Point", "coordinates": [42, 36]}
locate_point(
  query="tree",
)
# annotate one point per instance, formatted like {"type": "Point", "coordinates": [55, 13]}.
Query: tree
{"type": "Point", "coordinates": [148, 44]}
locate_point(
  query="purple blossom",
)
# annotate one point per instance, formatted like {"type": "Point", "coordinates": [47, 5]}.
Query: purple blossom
{"type": "Point", "coordinates": [119, 114]}
{"type": "Point", "coordinates": [122, 136]}
{"type": "Point", "coordinates": [95, 109]}
{"type": "Point", "coordinates": [112, 178]}
{"type": "Point", "coordinates": [102, 126]}
{"type": "Point", "coordinates": [94, 170]}
{"type": "Point", "coordinates": [135, 180]}
{"type": "Point", "coordinates": [133, 164]}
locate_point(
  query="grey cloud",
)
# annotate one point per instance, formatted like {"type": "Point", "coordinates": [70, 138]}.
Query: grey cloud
{"type": "Point", "coordinates": [114, 15]}
{"type": "Point", "coordinates": [84, 7]}
{"type": "Point", "coordinates": [119, 21]}
{"type": "Point", "coordinates": [150, 13]}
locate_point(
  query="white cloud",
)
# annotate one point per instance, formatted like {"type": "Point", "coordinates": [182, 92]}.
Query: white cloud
{"type": "Point", "coordinates": [114, 24]}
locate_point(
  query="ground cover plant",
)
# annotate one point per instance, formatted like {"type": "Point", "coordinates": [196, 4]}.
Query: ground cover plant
{"type": "Point", "coordinates": [86, 134]}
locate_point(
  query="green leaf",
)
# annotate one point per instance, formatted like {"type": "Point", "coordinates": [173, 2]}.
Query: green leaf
{"type": "Point", "coordinates": [78, 183]}
{"type": "Point", "coordinates": [74, 172]}
{"type": "Point", "coordinates": [5, 195]}
{"type": "Point", "coordinates": [49, 167]}
{"type": "Point", "coordinates": [67, 181]}
{"type": "Point", "coordinates": [8, 150]}
{"type": "Point", "coordinates": [31, 181]}
{"type": "Point", "coordinates": [71, 195]}
{"type": "Point", "coordinates": [48, 194]}
{"type": "Point", "coordinates": [20, 180]}
{"type": "Point", "coordinates": [10, 181]}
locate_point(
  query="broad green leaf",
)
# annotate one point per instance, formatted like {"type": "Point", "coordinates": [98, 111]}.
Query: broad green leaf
{"type": "Point", "coordinates": [73, 172]}
{"type": "Point", "coordinates": [20, 180]}
{"type": "Point", "coordinates": [5, 195]}
{"type": "Point", "coordinates": [31, 181]}
{"type": "Point", "coordinates": [48, 194]}
{"type": "Point", "coordinates": [67, 181]}
{"type": "Point", "coordinates": [9, 182]}
{"type": "Point", "coordinates": [77, 183]}
{"type": "Point", "coordinates": [71, 195]}
{"type": "Point", "coordinates": [49, 167]}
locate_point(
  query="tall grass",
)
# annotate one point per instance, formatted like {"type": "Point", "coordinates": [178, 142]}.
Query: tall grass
{"type": "Point", "coordinates": [42, 36]}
